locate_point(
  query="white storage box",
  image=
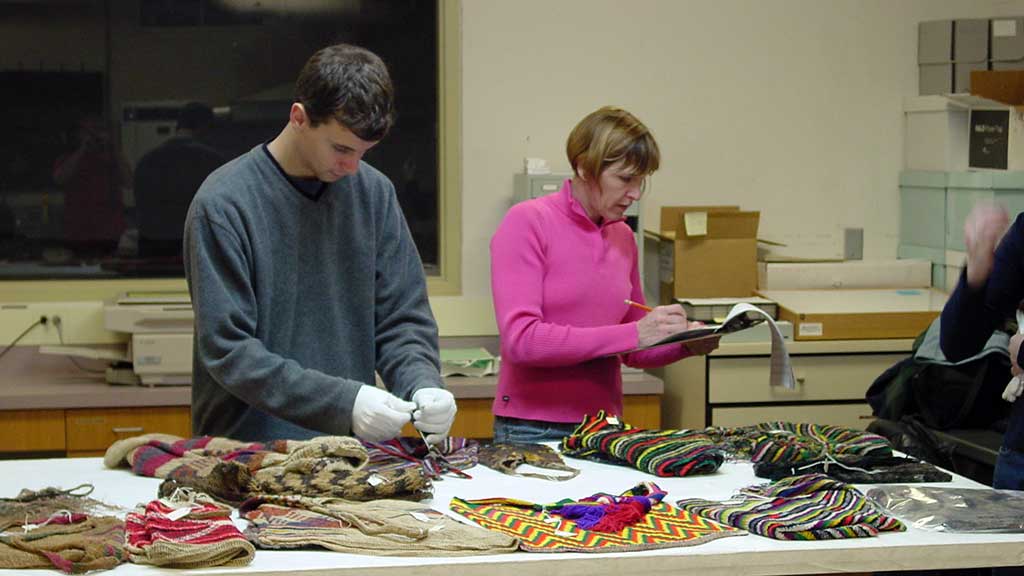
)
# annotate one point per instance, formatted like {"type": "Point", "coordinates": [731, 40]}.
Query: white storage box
{"type": "Point", "coordinates": [934, 134]}
{"type": "Point", "coordinates": [850, 274]}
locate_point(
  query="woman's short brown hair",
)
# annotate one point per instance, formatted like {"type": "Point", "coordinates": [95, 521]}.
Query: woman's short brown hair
{"type": "Point", "coordinates": [609, 135]}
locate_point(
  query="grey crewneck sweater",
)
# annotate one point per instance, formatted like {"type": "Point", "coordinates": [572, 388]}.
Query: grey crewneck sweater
{"type": "Point", "coordinates": [299, 299]}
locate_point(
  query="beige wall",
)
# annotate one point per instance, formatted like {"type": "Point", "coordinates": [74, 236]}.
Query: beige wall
{"type": "Point", "coordinates": [790, 107]}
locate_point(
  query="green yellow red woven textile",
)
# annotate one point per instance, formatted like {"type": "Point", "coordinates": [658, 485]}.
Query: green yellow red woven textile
{"type": "Point", "coordinates": [664, 526]}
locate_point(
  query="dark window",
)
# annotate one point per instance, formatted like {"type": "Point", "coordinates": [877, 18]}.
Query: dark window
{"type": "Point", "coordinates": [91, 87]}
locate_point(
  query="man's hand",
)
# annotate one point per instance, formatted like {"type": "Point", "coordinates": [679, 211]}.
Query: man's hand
{"type": "Point", "coordinates": [435, 412]}
{"type": "Point", "coordinates": [983, 229]}
{"type": "Point", "coordinates": [378, 415]}
{"type": "Point", "coordinates": [661, 322]}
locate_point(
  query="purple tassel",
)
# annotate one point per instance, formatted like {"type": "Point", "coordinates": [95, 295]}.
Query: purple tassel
{"type": "Point", "coordinates": [644, 500]}
{"type": "Point", "coordinates": [586, 516]}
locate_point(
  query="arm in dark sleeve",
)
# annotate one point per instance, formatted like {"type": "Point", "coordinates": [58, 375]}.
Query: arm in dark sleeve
{"type": "Point", "coordinates": [406, 335]}
{"type": "Point", "coordinates": [970, 316]}
{"type": "Point", "coordinates": [225, 307]}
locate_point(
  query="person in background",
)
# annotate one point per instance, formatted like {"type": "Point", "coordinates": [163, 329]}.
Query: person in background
{"type": "Point", "coordinates": [94, 177]}
{"type": "Point", "coordinates": [989, 290]}
{"type": "Point", "coordinates": [305, 280]}
{"type": "Point", "coordinates": [166, 179]}
{"type": "Point", "coordinates": [562, 268]}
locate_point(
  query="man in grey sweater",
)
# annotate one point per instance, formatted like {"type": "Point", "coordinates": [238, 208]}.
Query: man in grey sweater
{"type": "Point", "coordinates": [305, 280]}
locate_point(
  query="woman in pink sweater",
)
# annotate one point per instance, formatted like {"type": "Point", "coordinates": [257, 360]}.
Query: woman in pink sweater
{"type": "Point", "coordinates": [562, 267]}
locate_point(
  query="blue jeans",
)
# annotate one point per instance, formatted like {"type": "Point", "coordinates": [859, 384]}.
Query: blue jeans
{"type": "Point", "coordinates": [1009, 475]}
{"type": "Point", "coordinates": [521, 431]}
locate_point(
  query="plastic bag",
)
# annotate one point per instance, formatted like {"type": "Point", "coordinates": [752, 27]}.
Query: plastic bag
{"type": "Point", "coordinates": [953, 509]}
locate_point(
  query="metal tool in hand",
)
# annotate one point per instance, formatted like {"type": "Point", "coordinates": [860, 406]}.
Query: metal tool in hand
{"type": "Point", "coordinates": [437, 461]}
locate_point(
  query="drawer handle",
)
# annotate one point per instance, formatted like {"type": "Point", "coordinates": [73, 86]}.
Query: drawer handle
{"type": "Point", "coordinates": [127, 429]}
{"type": "Point", "coordinates": [800, 380]}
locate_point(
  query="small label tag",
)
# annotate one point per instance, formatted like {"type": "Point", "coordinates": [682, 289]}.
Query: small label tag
{"type": "Point", "coordinates": [564, 533]}
{"type": "Point", "coordinates": [810, 329]}
{"type": "Point", "coordinates": [419, 516]}
{"type": "Point", "coordinates": [1004, 28]}
{"type": "Point", "coordinates": [612, 420]}
{"type": "Point", "coordinates": [696, 223]}
{"type": "Point", "coordinates": [375, 480]}
{"type": "Point", "coordinates": [178, 514]}
{"type": "Point", "coordinates": [551, 520]}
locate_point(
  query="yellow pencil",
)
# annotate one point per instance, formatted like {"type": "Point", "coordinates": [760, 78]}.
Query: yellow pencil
{"type": "Point", "coordinates": [639, 305]}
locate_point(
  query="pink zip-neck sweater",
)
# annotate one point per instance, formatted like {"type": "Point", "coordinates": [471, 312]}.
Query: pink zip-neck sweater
{"type": "Point", "coordinates": [560, 283]}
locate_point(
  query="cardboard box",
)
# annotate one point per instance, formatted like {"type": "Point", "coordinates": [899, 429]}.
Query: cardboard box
{"type": "Point", "coordinates": [935, 42]}
{"type": "Point", "coordinates": [853, 274]}
{"type": "Point", "coordinates": [970, 40]}
{"type": "Point", "coordinates": [1005, 86]}
{"type": "Point", "coordinates": [935, 57]}
{"type": "Point", "coordinates": [962, 75]}
{"type": "Point", "coordinates": [1007, 40]}
{"type": "Point", "coordinates": [858, 314]}
{"type": "Point", "coordinates": [707, 252]}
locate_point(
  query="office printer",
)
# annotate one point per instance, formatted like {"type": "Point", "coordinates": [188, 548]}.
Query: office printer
{"type": "Point", "coordinates": [160, 342]}
{"type": "Point", "coordinates": [158, 350]}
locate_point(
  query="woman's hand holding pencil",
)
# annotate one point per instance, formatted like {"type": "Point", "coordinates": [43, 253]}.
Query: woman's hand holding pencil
{"type": "Point", "coordinates": [661, 322]}
{"type": "Point", "coordinates": [643, 307]}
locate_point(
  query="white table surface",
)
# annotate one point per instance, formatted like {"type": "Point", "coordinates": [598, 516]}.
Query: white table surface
{"type": "Point", "coordinates": [748, 554]}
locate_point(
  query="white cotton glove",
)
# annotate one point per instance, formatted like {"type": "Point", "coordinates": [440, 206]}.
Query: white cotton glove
{"type": "Point", "coordinates": [378, 415]}
{"type": "Point", "coordinates": [435, 412]}
{"type": "Point", "coordinates": [1013, 389]}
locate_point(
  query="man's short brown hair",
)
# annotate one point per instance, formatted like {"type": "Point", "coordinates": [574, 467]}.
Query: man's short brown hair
{"type": "Point", "coordinates": [351, 85]}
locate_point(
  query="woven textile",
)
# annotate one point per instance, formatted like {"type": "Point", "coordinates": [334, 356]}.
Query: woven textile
{"type": "Point", "coordinates": [538, 530]}
{"type": "Point", "coordinates": [810, 507]}
{"type": "Point", "coordinates": [380, 528]}
{"type": "Point", "coordinates": [868, 470]}
{"type": "Point", "coordinates": [402, 453]}
{"type": "Point", "coordinates": [798, 442]}
{"type": "Point", "coordinates": [232, 471]}
{"type": "Point", "coordinates": [49, 501]}
{"type": "Point", "coordinates": [154, 455]}
{"type": "Point", "coordinates": [658, 452]}
{"type": "Point", "coordinates": [505, 458]}
{"type": "Point", "coordinates": [59, 528]}
{"type": "Point", "coordinates": [76, 545]}
{"type": "Point", "coordinates": [190, 533]}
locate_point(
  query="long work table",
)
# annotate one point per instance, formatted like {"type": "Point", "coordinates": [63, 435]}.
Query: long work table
{"type": "Point", "coordinates": [914, 549]}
